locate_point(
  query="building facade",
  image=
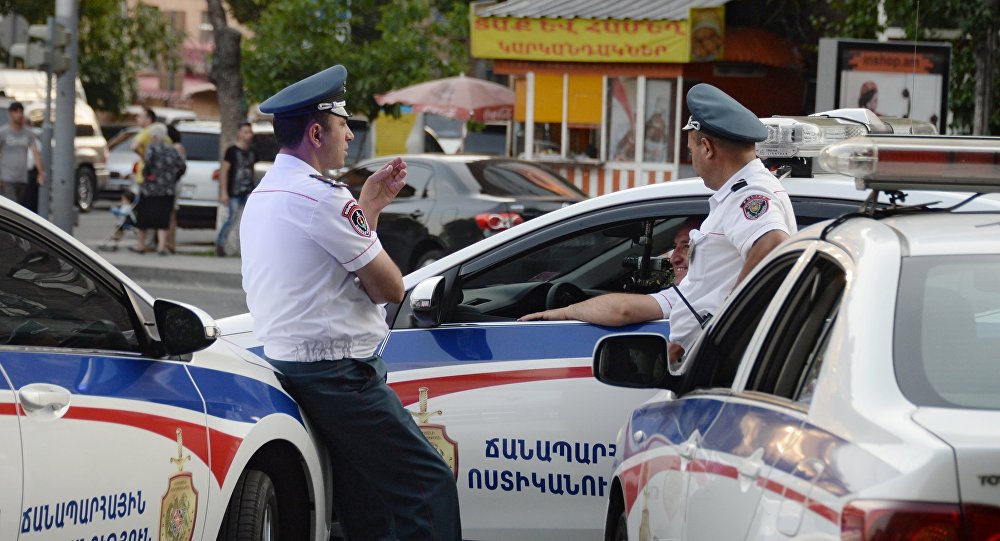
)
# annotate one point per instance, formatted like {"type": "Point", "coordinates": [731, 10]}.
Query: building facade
{"type": "Point", "coordinates": [600, 86]}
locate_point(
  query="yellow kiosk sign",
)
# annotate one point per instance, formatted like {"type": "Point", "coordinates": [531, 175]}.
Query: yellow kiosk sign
{"type": "Point", "coordinates": [699, 38]}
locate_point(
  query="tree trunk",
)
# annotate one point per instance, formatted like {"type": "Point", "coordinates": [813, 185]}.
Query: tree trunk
{"type": "Point", "coordinates": [986, 53]}
{"type": "Point", "coordinates": [225, 74]}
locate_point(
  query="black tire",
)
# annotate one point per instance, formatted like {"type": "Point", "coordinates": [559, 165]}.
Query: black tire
{"type": "Point", "coordinates": [86, 189]}
{"type": "Point", "coordinates": [621, 528]}
{"type": "Point", "coordinates": [427, 258]}
{"type": "Point", "coordinates": [253, 510]}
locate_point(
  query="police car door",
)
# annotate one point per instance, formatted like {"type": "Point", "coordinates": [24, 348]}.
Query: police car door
{"type": "Point", "coordinates": [114, 442]}
{"type": "Point", "coordinates": [10, 459]}
{"type": "Point", "coordinates": [513, 405]}
{"type": "Point", "coordinates": [807, 471]}
{"type": "Point", "coordinates": [731, 458]}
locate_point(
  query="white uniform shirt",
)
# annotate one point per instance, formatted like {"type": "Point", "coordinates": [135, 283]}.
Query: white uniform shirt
{"type": "Point", "coordinates": [739, 214]}
{"type": "Point", "coordinates": [667, 299]}
{"type": "Point", "coordinates": [300, 241]}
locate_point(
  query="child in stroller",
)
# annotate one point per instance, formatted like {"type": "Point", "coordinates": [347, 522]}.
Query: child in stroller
{"type": "Point", "coordinates": [124, 215]}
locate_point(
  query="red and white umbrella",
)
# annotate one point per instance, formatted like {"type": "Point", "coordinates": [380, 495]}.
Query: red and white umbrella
{"type": "Point", "coordinates": [459, 97]}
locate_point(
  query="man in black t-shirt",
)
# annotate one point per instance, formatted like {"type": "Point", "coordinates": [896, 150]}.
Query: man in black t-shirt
{"type": "Point", "coordinates": [237, 172]}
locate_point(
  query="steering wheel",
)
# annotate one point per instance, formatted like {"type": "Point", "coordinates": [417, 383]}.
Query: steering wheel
{"type": "Point", "coordinates": [563, 294]}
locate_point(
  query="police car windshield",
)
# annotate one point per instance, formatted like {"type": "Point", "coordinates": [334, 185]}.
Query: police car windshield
{"type": "Point", "coordinates": [947, 331]}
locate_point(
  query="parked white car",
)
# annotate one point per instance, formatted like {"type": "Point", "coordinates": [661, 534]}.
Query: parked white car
{"type": "Point", "coordinates": [848, 389]}
{"type": "Point", "coordinates": [198, 192]}
{"type": "Point", "coordinates": [124, 417]}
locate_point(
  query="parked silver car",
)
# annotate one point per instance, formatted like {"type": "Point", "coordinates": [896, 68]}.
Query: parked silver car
{"type": "Point", "coordinates": [121, 162]}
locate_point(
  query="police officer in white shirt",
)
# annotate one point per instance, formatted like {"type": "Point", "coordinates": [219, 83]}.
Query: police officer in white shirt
{"type": "Point", "coordinates": [316, 276]}
{"type": "Point", "coordinates": [749, 214]}
{"type": "Point", "coordinates": [617, 309]}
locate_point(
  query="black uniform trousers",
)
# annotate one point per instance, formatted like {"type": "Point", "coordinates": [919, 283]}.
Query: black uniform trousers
{"type": "Point", "coordinates": [388, 481]}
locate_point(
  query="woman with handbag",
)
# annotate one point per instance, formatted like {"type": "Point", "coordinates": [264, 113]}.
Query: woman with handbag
{"type": "Point", "coordinates": [160, 172]}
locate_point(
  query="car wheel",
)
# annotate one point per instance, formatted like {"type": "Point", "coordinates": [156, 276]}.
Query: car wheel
{"type": "Point", "coordinates": [86, 188]}
{"type": "Point", "coordinates": [253, 510]}
{"type": "Point", "coordinates": [427, 258]}
{"type": "Point", "coordinates": [621, 528]}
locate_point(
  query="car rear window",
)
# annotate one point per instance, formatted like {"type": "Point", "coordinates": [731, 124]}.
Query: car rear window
{"type": "Point", "coordinates": [510, 178]}
{"type": "Point", "coordinates": [201, 146]}
{"type": "Point", "coordinates": [947, 332]}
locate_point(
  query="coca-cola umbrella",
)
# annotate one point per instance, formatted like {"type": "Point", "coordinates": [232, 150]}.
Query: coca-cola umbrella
{"type": "Point", "coordinates": [461, 98]}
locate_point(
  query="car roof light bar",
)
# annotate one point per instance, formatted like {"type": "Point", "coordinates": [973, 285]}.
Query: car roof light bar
{"type": "Point", "coordinates": [901, 162]}
{"type": "Point", "coordinates": [806, 136]}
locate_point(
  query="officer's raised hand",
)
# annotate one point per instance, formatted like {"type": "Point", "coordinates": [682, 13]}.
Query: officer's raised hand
{"type": "Point", "coordinates": [382, 187]}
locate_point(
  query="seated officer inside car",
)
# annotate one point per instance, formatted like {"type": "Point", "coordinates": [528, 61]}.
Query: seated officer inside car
{"type": "Point", "coordinates": [316, 277]}
{"type": "Point", "coordinates": [617, 309]}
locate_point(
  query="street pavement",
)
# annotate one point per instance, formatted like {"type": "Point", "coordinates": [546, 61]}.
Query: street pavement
{"type": "Point", "coordinates": [193, 275]}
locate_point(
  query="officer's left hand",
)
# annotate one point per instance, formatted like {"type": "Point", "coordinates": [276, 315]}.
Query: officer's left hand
{"type": "Point", "coordinates": [381, 188]}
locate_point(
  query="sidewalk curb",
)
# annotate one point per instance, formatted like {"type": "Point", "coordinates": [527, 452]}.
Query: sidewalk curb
{"type": "Point", "coordinates": [190, 278]}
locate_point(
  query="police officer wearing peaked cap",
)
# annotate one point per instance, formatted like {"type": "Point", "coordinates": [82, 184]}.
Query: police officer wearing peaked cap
{"type": "Point", "coordinates": [316, 277]}
{"type": "Point", "coordinates": [749, 214]}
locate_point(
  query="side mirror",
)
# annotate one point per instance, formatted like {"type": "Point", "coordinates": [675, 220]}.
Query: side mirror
{"type": "Point", "coordinates": [632, 360]}
{"type": "Point", "coordinates": [426, 301]}
{"type": "Point", "coordinates": [183, 328]}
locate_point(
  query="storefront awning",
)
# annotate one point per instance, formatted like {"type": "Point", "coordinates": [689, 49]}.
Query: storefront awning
{"type": "Point", "coordinates": [637, 31]}
{"type": "Point", "coordinates": [654, 10]}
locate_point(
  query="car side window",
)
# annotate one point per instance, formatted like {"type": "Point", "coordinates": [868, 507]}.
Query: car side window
{"type": "Point", "coordinates": [417, 179]}
{"type": "Point", "coordinates": [719, 355]}
{"type": "Point", "coordinates": [587, 262]}
{"type": "Point", "coordinates": [793, 352]}
{"type": "Point", "coordinates": [47, 300]}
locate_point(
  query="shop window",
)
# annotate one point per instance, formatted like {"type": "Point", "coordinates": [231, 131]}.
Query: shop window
{"type": "Point", "coordinates": [621, 118]}
{"type": "Point", "coordinates": [658, 133]}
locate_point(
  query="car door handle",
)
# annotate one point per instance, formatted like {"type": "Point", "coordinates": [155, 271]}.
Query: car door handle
{"type": "Point", "coordinates": [416, 214]}
{"type": "Point", "coordinates": [750, 468]}
{"type": "Point", "coordinates": [44, 397]}
{"type": "Point", "coordinates": [688, 448]}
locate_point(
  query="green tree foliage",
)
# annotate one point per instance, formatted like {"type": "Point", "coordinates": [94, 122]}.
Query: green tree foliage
{"type": "Point", "coordinates": [384, 45]}
{"type": "Point", "coordinates": [115, 43]}
{"type": "Point", "coordinates": [924, 21]}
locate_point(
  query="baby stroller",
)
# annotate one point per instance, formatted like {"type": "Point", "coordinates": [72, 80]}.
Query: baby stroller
{"type": "Point", "coordinates": [125, 222]}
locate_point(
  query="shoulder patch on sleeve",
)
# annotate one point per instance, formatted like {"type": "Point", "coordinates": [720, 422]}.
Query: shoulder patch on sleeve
{"type": "Point", "coordinates": [754, 206]}
{"type": "Point", "coordinates": [356, 216]}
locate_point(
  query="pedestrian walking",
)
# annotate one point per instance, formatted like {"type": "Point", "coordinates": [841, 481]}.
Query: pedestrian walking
{"type": "Point", "coordinates": [236, 172]}
{"type": "Point", "coordinates": [316, 277]}
{"type": "Point", "coordinates": [16, 142]}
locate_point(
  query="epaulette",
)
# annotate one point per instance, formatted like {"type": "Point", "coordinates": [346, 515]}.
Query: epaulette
{"type": "Point", "coordinates": [330, 181]}
{"type": "Point", "coordinates": [739, 185]}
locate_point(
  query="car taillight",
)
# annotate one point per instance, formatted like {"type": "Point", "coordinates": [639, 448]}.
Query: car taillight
{"type": "Point", "coordinates": [982, 521]}
{"type": "Point", "coordinates": [494, 222]}
{"type": "Point", "coordinates": [215, 175]}
{"type": "Point", "coordinates": [884, 520]}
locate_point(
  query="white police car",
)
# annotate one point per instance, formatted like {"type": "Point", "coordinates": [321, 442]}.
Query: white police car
{"type": "Point", "coordinates": [849, 389]}
{"type": "Point", "coordinates": [123, 418]}
{"type": "Point", "coordinates": [512, 405]}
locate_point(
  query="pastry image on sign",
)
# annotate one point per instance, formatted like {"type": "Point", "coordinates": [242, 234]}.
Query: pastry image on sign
{"type": "Point", "coordinates": [179, 505]}
{"type": "Point", "coordinates": [436, 434]}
